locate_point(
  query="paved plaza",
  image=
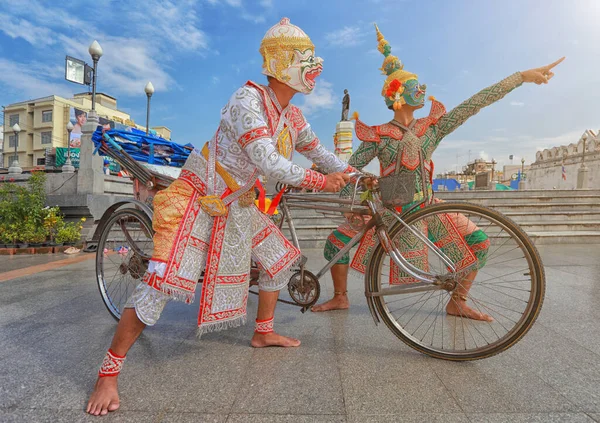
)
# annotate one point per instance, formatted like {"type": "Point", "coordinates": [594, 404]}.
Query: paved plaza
{"type": "Point", "coordinates": [54, 331]}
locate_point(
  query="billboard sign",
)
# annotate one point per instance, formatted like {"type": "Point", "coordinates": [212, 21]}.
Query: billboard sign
{"type": "Point", "coordinates": [61, 156]}
{"type": "Point", "coordinates": [78, 118]}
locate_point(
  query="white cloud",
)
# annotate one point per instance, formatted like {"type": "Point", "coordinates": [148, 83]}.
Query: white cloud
{"type": "Point", "coordinates": [254, 16]}
{"type": "Point", "coordinates": [322, 98]}
{"type": "Point", "coordinates": [517, 103]}
{"type": "Point", "coordinates": [21, 28]}
{"type": "Point", "coordinates": [234, 3]}
{"type": "Point", "coordinates": [258, 18]}
{"type": "Point", "coordinates": [346, 37]}
{"type": "Point", "coordinates": [140, 52]}
{"type": "Point", "coordinates": [215, 80]}
{"type": "Point", "coordinates": [32, 80]}
{"type": "Point", "coordinates": [170, 24]}
{"type": "Point", "coordinates": [483, 155]}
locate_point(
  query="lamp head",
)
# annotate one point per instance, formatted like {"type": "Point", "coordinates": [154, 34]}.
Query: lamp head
{"type": "Point", "coordinates": [149, 89]}
{"type": "Point", "coordinates": [95, 50]}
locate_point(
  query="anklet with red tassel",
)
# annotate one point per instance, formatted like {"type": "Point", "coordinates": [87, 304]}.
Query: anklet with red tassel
{"type": "Point", "coordinates": [112, 364]}
{"type": "Point", "coordinates": [264, 326]}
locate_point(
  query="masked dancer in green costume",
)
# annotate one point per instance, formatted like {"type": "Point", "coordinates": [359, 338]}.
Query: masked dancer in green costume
{"type": "Point", "coordinates": [404, 142]}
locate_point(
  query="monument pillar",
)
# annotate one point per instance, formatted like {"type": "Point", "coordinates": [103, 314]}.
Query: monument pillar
{"type": "Point", "coordinates": [342, 139]}
{"type": "Point", "coordinates": [90, 179]}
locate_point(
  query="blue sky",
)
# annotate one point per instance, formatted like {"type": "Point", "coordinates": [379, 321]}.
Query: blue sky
{"type": "Point", "coordinates": [197, 52]}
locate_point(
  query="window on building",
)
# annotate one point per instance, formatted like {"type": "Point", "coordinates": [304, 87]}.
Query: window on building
{"type": "Point", "coordinates": [41, 162]}
{"type": "Point", "coordinates": [46, 137]}
{"type": "Point", "coordinates": [47, 116]}
{"type": "Point", "coordinates": [11, 141]}
{"type": "Point", "coordinates": [13, 119]}
{"type": "Point", "coordinates": [11, 159]}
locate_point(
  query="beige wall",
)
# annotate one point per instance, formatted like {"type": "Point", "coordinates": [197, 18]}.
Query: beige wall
{"type": "Point", "coordinates": [30, 146]}
{"type": "Point", "coordinates": [547, 174]}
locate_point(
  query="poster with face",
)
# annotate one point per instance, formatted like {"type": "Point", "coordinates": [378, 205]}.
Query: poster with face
{"type": "Point", "coordinates": [78, 118]}
{"type": "Point", "coordinates": [106, 124]}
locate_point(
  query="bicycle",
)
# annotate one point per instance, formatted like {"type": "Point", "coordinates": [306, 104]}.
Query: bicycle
{"type": "Point", "coordinates": [124, 248]}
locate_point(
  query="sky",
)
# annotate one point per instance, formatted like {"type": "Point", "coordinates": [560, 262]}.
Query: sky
{"type": "Point", "coordinates": [197, 53]}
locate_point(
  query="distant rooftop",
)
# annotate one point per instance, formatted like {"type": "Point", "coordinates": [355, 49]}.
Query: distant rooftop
{"type": "Point", "coordinates": [85, 94]}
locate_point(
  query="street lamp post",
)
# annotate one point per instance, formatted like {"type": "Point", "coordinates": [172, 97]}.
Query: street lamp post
{"type": "Point", "coordinates": [68, 166]}
{"type": "Point", "coordinates": [15, 168]}
{"type": "Point", "coordinates": [521, 180]}
{"type": "Point", "coordinates": [96, 52]}
{"type": "Point", "coordinates": [149, 89]}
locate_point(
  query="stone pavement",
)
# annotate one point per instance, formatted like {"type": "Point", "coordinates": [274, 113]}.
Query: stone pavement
{"type": "Point", "coordinates": [54, 331]}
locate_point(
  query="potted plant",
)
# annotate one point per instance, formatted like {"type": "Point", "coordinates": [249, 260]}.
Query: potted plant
{"type": "Point", "coordinates": [37, 236]}
{"type": "Point", "coordinates": [53, 223]}
{"type": "Point", "coordinates": [10, 236]}
{"type": "Point", "coordinates": [70, 233]}
{"type": "Point", "coordinates": [23, 234]}
{"type": "Point", "coordinates": [4, 235]}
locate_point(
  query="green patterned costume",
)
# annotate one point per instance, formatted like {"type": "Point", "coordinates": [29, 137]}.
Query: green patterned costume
{"type": "Point", "coordinates": [388, 141]}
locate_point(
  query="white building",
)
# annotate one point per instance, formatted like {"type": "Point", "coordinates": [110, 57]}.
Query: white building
{"type": "Point", "coordinates": [546, 172]}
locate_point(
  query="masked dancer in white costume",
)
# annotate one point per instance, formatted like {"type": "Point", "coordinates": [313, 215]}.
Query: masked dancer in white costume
{"type": "Point", "coordinates": [207, 221]}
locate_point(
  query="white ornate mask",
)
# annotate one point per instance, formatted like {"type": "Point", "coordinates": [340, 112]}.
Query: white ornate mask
{"type": "Point", "coordinates": [303, 71]}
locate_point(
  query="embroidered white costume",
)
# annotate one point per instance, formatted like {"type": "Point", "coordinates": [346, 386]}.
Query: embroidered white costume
{"type": "Point", "coordinates": [255, 136]}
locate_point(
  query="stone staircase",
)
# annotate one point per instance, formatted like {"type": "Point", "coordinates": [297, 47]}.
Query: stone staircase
{"type": "Point", "coordinates": [548, 216]}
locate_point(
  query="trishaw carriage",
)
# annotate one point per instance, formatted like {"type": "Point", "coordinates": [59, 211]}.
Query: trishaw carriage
{"type": "Point", "coordinates": [409, 276]}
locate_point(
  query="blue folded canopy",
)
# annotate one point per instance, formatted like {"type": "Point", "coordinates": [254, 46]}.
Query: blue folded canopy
{"type": "Point", "coordinates": [146, 148]}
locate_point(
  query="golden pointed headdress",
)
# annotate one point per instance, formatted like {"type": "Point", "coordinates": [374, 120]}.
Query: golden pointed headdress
{"type": "Point", "coordinates": [394, 69]}
{"type": "Point", "coordinates": [278, 45]}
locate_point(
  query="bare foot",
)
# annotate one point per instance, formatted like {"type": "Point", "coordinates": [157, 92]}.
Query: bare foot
{"type": "Point", "coordinates": [338, 302]}
{"type": "Point", "coordinates": [461, 309]}
{"type": "Point", "coordinates": [105, 397]}
{"type": "Point", "coordinates": [261, 340]}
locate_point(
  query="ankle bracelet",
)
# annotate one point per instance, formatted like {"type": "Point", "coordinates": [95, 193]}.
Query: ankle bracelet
{"type": "Point", "coordinates": [112, 364]}
{"type": "Point", "coordinates": [263, 326]}
{"type": "Point", "coordinates": [458, 296]}
{"type": "Point", "coordinates": [340, 292]}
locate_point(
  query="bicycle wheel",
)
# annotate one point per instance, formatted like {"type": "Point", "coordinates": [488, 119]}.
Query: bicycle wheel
{"type": "Point", "coordinates": [508, 283]}
{"type": "Point", "coordinates": [124, 249]}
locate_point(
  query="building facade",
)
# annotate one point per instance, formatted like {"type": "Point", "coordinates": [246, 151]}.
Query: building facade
{"type": "Point", "coordinates": [43, 123]}
{"type": "Point", "coordinates": [1, 144]}
{"type": "Point", "coordinates": [547, 170]}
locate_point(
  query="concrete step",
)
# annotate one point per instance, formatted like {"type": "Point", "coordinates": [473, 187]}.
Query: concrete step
{"type": "Point", "coordinates": [554, 226]}
{"type": "Point", "coordinates": [561, 237]}
{"type": "Point", "coordinates": [538, 238]}
{"type": "Point", "coordinates": [544, 208]}
{"type": "Point", "coordinates": [533, 200]}
{"type": "Point", "coordinates": [552, 216]}
{"type": "Point", "coordinates": [588, 203]}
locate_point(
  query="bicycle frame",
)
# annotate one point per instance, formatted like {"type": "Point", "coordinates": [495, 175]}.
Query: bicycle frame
{"type": "Point", "coordinates": [428, 281]}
